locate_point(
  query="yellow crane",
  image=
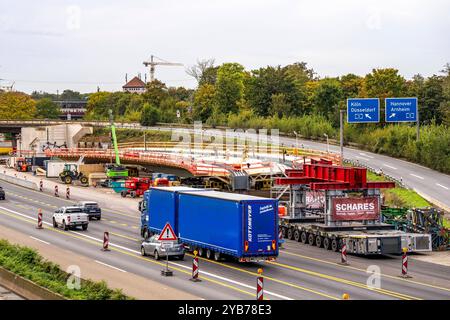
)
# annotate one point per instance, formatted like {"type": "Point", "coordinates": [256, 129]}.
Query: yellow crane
{"type": "Point", "coordinates": [155, 61]}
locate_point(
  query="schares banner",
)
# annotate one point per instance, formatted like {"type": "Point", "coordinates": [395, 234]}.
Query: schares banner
{"type": "Point", "coordinates": [350, 209]}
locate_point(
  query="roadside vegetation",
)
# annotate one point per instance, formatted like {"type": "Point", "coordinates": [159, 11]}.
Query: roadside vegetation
{"type": "Point", "coordinates": [26, 262]}
{"type": "Point", "coordinates": [399, 197]}
{"type": "Point", "coordinates": [289, 98]}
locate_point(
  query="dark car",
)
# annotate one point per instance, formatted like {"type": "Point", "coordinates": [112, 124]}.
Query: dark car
{"type": "Point", "coordinates": [2, 194]}
{"type": "Point", "coordinates": [91, 208]}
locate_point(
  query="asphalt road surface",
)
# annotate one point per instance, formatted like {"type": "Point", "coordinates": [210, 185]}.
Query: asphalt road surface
{"type": "Point", "coordinates": [300, 272]}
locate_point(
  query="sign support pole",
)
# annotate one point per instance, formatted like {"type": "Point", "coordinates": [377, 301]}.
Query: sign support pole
{"type": "Point", "coordinates": [341, 133]}
{"type": "Point", "coordinates": [418, 125]}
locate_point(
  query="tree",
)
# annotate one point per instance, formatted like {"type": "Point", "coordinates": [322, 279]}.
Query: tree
{"type": "Point", "coordinates": [384, 83]}
{"type": "Point", "coordinates": [433, 96]}
{"type": "Point", "coordinates": [201, 70]}
{"type": "Point", "coordinates": [156, 92]}
{"type": "Point", "coordinates": [279, 105]}
{"type": "Point", "coordinates": [328, 96]}
{"type": "Point", "coordinates": [204, 99]}
{"type": "Point", "coordinates": [70, 95]}
{"type": "Point", "coordinates": [229, 87]}
{"type": "Point", "coordinates": [266, 84]}
{"type": "Point", "coordinates": [150, 115]}
{"type": "Point", "coordinates": [47, 109]}
{"type": "Point", "coordinates": [351, 85]}
{"type": "Point", "coordinates": [16, 106]}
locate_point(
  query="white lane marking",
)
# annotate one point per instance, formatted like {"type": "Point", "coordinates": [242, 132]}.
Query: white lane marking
{"type": "Point", "coordinates": [414, 175]}
{"type": "Point", "coordinates": [39, 240]}
{"type": "Point", "coordinates": [173, 263]}
{"type": "Point", "coordinates": [365, 155]}
{"type": "Point", "coordinates": [440, 185]}
{"type": "Point", "coordinates": [386, 165]}
{"type": "Point", "coordinates": [112, 267]}
{"type": "Point", "coordinates": [362, 158]}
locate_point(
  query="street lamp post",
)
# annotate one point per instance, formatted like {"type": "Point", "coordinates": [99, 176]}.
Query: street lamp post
{"type": "Point", "coordinates": [328, 145]}
{"type": "Point", "coordinates": [296, 139]}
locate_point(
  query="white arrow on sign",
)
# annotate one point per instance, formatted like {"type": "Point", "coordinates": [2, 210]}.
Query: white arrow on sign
{"type": "Point", "coordinates": [392, 115]}
{"type": "Point", "coordinates": [367, 116]}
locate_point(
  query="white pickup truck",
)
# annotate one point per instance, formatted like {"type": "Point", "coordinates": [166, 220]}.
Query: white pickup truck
{"type": "Point", "coordinates": [70, 217]}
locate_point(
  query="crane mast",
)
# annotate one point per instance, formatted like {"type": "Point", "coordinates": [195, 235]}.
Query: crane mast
{"type": "Point", "coordinates": [152, 63]}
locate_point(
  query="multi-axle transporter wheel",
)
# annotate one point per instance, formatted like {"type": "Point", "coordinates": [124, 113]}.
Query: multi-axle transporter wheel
{"type": "Point", "coordinates": [311, 239]}
{"type": "Point", "coordinates": [297, 235]}
{"type": "Point", "coordinates": [290, 234]}
{"type": "Point", "coordinates": [326, 243]}
{"type": "Point", "coordinates": [304, 237]}
{"type": "Point", "coordinates": [319, 241]}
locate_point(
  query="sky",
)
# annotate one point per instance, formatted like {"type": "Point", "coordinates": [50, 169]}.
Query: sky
{"type": "Point", "coordinates": [51, 45]}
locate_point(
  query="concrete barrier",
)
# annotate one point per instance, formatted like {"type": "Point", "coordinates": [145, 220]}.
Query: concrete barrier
{"type": "Point", "coordinates": [26, 288]}
{"type": "Point", "coordinates": [19, 182]}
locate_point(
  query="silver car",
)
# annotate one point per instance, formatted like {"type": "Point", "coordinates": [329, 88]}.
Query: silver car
{"type": "Point", "coordinates": [158, 249]}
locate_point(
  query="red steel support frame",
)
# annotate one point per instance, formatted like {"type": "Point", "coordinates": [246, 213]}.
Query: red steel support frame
{"type": "Point", "coordinates": [321, 176]}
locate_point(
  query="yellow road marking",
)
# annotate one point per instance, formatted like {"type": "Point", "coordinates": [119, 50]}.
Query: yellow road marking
{"type": "Point", "coordinates": [359, 269]}
{"type": "Point", "coordinates": [349, 282]}
{"type": "Point", "coordinates": [122, 236]}
{"type": "Point", "coordinates": [131, 254]}
{"type": "Point", "coordinates": [272, 279]}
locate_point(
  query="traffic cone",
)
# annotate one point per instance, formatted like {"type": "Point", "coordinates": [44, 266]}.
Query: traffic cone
{"type": "Point", "coordinates": [56, 191]}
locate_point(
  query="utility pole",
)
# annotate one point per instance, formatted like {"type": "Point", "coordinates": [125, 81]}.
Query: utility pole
{"type": "Point", "coordinates": [341, 133]}
{"type": "Point", "coordinates": [145, 142]}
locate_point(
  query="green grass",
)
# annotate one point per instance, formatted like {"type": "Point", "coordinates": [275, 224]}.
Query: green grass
{"type": "Point", "coordinates": [26, 262]}
{"type": "Point", "coordinates": [399, 197]}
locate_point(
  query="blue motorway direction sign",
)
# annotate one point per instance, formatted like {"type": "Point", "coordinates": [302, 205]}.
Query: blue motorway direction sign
{"type": "Point", "coordinates": [401, 109]}
{"type": "Point", "coordinates": [361, 110]}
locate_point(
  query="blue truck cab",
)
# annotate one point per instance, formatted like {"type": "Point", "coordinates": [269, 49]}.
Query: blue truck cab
{"type": "Point", "coordinates": [216, 224]}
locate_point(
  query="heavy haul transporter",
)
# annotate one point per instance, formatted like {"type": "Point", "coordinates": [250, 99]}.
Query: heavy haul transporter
{"type": "Point", "coordinates": [349, 211]}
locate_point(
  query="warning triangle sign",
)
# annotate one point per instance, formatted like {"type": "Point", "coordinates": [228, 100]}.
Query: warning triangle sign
{"type": "Point", "coordinates": [167, 234]}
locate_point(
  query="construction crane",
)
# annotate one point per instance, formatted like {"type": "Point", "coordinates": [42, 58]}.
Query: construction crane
{"type": "Point", "coordinates": [152, 63]}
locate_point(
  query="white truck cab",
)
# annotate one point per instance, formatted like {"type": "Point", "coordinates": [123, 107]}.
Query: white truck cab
{"type": "Point", "coordinates": [70, 217]}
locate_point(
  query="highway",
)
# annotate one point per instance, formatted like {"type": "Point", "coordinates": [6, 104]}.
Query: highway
{"type": "Point", "coordinates": [431, 184]}
{"type": "Point", "coordinates": [300, 272]}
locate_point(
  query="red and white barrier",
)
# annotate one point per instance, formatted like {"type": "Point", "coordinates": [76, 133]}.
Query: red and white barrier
{"type": "Point", "coordinates": [105, 241]}
{"type": "Point", "coordinates": [405, 264]}
{"type": "Point", "coordinates": [68, 193]}
{"type": "Point", "coordinates": [260, 286]}
{"type": "Point", "coordinates": [41, 186]}
{"type": "Point", "coordinates": [344, 254]}
{"type": "Point", "coordinates": [195, 268]}
{"type": "Point", "coordinates": [56, 191]}
{"type": "Point", "coordinates": [39, 221]}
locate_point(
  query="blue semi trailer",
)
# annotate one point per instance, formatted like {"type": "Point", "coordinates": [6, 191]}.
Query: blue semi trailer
{"type": "Point", "coordinates": [216, 224]}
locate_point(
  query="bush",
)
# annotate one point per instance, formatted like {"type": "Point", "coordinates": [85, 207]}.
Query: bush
{"type": "Point", "coordinates": [150, 115]}
{"type": "Point", "coordinates": [27, 263]}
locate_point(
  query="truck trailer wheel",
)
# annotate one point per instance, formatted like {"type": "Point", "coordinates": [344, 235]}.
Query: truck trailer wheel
{"type": "Point", "coordinates": [335, 245]}
{"type": "Point", "coordinates": [200, 252]}
{"type": "Point", "coordinates": [326, 243]}
{"type": "Point", "coordinates": [217, 256]}
{"type": "Point", "coordinates": [311, 239]}
{"type": "Point", "coordinates": [209, 254]}
{"type": "Point", "coordinates": [297, 235]}
{"type": "Point", "coordinates": [145, 234]}
{"type": "Point", "coordinates": [319, 241]}
{"type": "Point", "coordinates": [304, 237]}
